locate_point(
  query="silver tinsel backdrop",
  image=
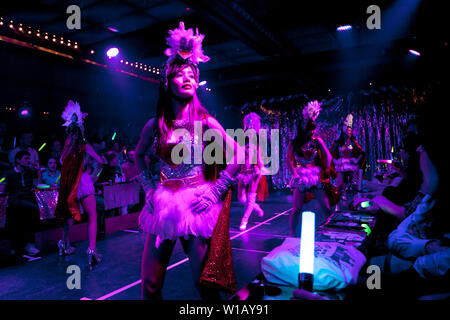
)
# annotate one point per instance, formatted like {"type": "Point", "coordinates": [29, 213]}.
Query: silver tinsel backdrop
{"type": "Point", "coordinates": [379, 121]}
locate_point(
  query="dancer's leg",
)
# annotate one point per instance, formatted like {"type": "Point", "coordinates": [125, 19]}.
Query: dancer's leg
{"type": "Point", "coordinates": [89, 206]}
{"type": "Point", "coordinates": [294, 218]}
{"type": "Point", "coordinates": [321, 197]}
{"type": "Point", "coordinates": [154, 264]}
{"type": "Point", "coordinates": [68, 223]}
{"type": "Point", "coordinates": [196, 248]}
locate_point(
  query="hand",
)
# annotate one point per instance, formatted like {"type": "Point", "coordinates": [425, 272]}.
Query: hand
{"type": "Point", "coordinates": [213, 194]}
{"type": "Point", "coordinates": [358, 200]}
{"type": "Point", "coordinates": [205, 200]}
{"type": "Point", "coordinates": [435, 246]}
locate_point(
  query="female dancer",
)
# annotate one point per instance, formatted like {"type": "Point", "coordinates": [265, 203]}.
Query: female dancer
{"type": "Point", "coordinates": [77, 188]}
{"type": "Point", "coordinates": [307, 159]}
{"type": "Point", "coordinates": [187, 204]}
{"type": "Point", "coordinates": [349, 157]}
{"type": "Point", "coordinates": [250, 174]}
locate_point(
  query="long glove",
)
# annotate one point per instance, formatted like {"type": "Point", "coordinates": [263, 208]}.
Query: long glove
{"type": "Point", "coordinates": [148, 184]}
{"type": "Point", "coordinates": [146, 180]}
{"type": "Point", "coordinates": [213, 194]}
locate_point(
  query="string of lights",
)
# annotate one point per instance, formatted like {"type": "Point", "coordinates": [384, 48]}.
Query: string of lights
{"type": "Point", "coordinates": [32, 35]}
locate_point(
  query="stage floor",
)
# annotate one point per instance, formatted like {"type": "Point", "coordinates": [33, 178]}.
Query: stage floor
{"type": "Point", "coordinates": [118, 275]}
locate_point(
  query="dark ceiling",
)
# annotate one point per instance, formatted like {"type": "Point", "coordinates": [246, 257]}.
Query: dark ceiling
{"type": "Point", "coordinates": [258, 48]}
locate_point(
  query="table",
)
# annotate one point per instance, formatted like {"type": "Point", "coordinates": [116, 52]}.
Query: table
{"type": "Point", "coordinates": [47, 200]}
{"type": "Point", "coordinates": [120, 194]}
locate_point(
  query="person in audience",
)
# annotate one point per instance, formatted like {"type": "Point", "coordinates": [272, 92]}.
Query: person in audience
{"type": "Point", "coordinates": [111, 170]}
{"type": "Point", "coordinates": [423, 240]}
{"type": "Point", "coordinates": [55, 151]}
{"type": "Point", "coordinates": [51, 175]}
{"type": "Point", "coordinates": [129, 168]}
{"type": "Point", "coordinates": [22, 215]}
{"type": "Point", "coordinates": [25, 140]}
{"type": "Point", "coordinates": [77, 191]}
{"type": "Point", "coordinates": [420, 179]}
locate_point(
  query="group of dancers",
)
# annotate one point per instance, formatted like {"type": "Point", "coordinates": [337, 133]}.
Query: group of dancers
{"type": "Point", "coordinates": [191, 201]}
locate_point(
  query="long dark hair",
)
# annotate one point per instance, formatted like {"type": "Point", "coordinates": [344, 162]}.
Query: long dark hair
{"type": "Point", "coordinates": [74, 140]}
{"type": "Point", "coordinates": [165, 111]}
{"type": "Point", "coordinates": [304, 135]}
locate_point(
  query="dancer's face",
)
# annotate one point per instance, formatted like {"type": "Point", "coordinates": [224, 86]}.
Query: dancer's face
{"type": "Point", "coordinates": [183, 85]}
{"type": "Point", "coordinates": [348, 130]}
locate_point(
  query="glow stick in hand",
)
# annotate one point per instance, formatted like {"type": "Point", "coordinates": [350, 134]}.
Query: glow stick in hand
{"type": "Point", "coordinates": [306, 265]}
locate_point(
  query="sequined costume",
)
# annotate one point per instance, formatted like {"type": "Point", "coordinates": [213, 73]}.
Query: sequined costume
{"type": "Point", "coordinates": [347, 154]}
{"type": "Point", "coordinates": [307, 165]}
{"type": "Point", "coordinates": [71, 174]}
{"type": "Point", "coordinates": [168, 213]}
{"type": "Point", "coordinates": [312, 171]}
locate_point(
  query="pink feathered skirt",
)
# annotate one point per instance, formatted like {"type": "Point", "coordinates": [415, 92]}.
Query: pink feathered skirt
{"type": "Point", "coordinates": [168, 214]}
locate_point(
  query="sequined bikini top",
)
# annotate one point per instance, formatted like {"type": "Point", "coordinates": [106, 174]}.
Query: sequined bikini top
{"type": "Point", "coordinates": [187, 149]}
{"type": "Point", "coordinates": [309, 154]}
{"type": "Point", "coordinates": [346, 150]}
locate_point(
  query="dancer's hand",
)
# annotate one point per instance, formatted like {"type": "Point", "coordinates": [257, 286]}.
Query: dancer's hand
{"type": "Point", "coordinates": [146, 181]}
{"type": "Point", "coordinates": [206, 200]}
{"type": "Point", "coordinates": [213, 194]}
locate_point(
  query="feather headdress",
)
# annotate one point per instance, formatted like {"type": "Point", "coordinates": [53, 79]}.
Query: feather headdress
{"type": "Point", "coordinates": [73, 108]}
{"type": "Point", "coordinates": [312, 110]}
{"type": "Point", "coordinates": [185, 44]}
{"type": "Point", "coordinates": [252, 121]}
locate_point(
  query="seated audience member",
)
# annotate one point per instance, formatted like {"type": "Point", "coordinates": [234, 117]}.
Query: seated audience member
{"type": "Point", "coordinates": [56, 150]}
{"type": "Point", "coordinates": [25, 140]}
{"type": "Point", "coordinates": [129, 168]}
{"type": "Point", "coordinates": [22, 215]}
{"type": "Point", "coordinates": [420, 179]}
{"type": "Point", "coordinates": [423, 238]}
{"type": "Point", "coordinates": [51, 175]}
{"type": "Point", "coordinates": [110, 170]}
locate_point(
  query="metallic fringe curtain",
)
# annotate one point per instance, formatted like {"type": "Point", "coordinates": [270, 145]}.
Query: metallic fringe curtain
{"type": "Point", "coordinates": [379, 122]}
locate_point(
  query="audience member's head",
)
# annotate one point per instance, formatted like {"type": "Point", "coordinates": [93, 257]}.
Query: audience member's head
{"type": "Point", "coordinates": [111, 157]}
{"type": "Point", "coordinates": [52, 164]}
{"type": "Point", "coordinates": [25, 139]}
{"type": "Point", "coordinates": [56, 146]}
{"type": "Point", "coordinates": [23, 159]}
{"type": "Point", "coordinates": [130, 156]}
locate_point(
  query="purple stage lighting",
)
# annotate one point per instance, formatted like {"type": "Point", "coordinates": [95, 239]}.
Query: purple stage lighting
{"type": "Point", "coordinates": [112, 52]}
{"type": "Point", "coordinates": [113, 29]}
{"type": "Point", "coordinates": [24, 112]}
{"type": "Point", "coordinates": [414, 52]}
{"type": "Point", "coordinates": [344, 28]}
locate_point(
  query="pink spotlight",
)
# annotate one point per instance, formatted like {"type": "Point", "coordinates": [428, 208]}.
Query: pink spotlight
{"type": "Point", "coordinates": [112, 52]}
{"type": "Point", "coordinates": [25, 113]}
{"type": "Point", "coordinates": [414, 52]}
{"type": "Point", "coordinates": [113, 29]}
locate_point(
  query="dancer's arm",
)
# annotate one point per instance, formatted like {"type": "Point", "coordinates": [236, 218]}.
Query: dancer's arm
{"type": "Point", "coordinates": [147, 137]}
{"type": "Point", "coordinates": [90, 151]}
{"type": "Point", "coordinates": [325, 151]}
{"type": "Point", "coordinates": [290, 159]}
{"type": "Point", "coordinates": [230, 144]}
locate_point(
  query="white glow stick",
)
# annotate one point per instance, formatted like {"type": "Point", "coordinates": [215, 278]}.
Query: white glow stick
{"type": "Point", "coordinates": [307, 242]}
